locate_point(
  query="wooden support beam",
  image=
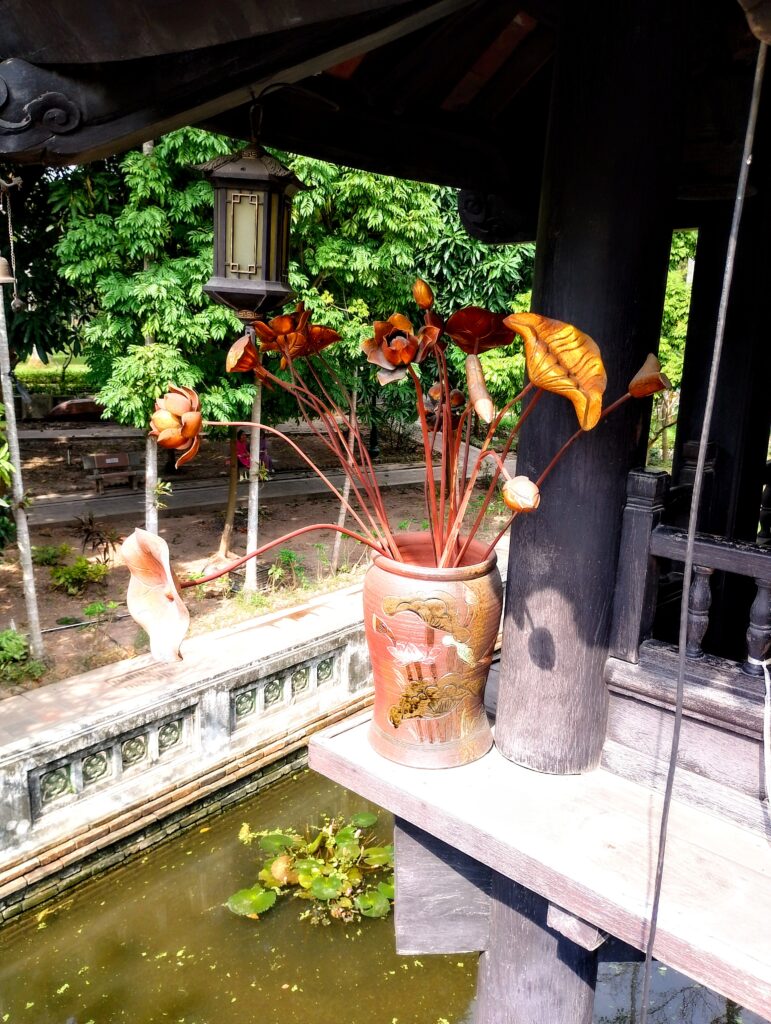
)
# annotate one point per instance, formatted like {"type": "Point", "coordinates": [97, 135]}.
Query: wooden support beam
{"type": "Point", "coordinates": [574, 928]}
{"type": "Point", "coordinates": [444, 895]}
{"type": "Point", "coordinates": [531, 973]}
{"type": "Point", "coordinates": [601, 261]}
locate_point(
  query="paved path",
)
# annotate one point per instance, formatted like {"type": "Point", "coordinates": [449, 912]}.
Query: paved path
{"type": "Point", "coordinates": [120, 502]}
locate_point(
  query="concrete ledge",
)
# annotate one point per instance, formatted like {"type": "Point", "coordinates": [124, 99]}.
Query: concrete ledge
{"type": "Point", "coordinates": [97, 759]}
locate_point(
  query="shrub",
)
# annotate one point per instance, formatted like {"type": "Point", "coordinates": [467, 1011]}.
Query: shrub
{"type": "Point", "coordinates": [50, 554]}
{"type": "Point", "coordinates": [73, 579]}
{"type": "Point", "coordinates": [49, 380]}
{"type": "Point", "coordinates": [15, 662]}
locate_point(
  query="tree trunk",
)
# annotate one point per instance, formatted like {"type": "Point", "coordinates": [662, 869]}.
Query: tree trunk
{"type": "Point", "coordinates": [346, 486]}
{"type": "Point", "coordinates": [253, 509]}
{"type": "Point", "coordinates": [151, 445]}
{"type": "Point", "coordinates": [20, 515]}
{"type": "Point", "coordinates": [230, 510]}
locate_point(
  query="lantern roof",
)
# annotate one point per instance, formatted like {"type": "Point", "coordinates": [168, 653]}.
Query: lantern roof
{"type": "Point", "coordinates": [251, 164]}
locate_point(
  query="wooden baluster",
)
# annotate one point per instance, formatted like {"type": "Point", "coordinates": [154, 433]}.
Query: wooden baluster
{"type": "Point", "coordinates": [699, 600]}
{"type": "Point", "coordinates": [759, 630]}
{"type": "Point", "coordinates": [634, 602]}
{"type": "Point", "coordinates": [764, 536]}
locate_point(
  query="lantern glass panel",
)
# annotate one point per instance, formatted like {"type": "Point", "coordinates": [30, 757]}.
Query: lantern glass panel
{"type": "Point", "coordinates": [244, 230]}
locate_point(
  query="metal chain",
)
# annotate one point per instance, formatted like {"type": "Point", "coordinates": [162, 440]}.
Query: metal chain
{"type": "Point", "coordinates": [741, 188]}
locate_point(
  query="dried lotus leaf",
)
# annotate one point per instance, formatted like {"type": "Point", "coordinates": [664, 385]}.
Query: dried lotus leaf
{"type": "Point", "coordinates": [563, 359]}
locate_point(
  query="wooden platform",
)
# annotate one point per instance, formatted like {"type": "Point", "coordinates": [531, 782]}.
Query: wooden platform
{"type": "Point", "coordinates": [588, 843]}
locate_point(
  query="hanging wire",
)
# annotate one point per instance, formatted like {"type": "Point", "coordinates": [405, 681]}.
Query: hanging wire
{"type": "Point", "coordinates": [741, 189]}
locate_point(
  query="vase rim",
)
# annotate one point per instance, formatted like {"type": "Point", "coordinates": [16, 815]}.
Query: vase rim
{"type": "Point", "coordinates": [421, 540]}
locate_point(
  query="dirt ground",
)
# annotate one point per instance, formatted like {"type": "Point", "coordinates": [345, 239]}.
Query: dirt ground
{"type": "Point", "coordinates": [194, 539]}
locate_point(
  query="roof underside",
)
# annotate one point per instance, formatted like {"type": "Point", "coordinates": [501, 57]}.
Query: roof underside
{"type": "Point", "coordinates": [455, 92]}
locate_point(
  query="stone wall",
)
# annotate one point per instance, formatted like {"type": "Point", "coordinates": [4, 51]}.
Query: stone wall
{"type": "Point", "coordinates": [115, 760]}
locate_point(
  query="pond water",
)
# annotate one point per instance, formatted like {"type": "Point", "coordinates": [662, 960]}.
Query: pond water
{"type": "Point", "coordinates": [151, 942]}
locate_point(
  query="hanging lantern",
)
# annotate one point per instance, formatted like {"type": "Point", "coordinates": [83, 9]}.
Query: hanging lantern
{"type": "Point", "coordinates": [252, 213]}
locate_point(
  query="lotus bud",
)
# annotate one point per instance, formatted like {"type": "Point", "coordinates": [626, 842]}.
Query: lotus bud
{"type": "Point", "coordinates": [422, 294]}
{"type": "Point", "coordinates": [477, 390]}
{"type": "Point", "coordinates": [435, 392]}
{"type": "Point", "coordinates": [521, 494]}
{"type": "Point", "coordinates": [457, 399]}
{"type": "Point", "coordinates": [649, 379]}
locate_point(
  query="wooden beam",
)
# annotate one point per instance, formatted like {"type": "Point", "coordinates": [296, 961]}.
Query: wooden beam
{"type": "Point", "coordinates": [731, 556]}
{"type": "Point", "coordinates": [444, 895]}
{"type": "Point", "coordinates": [574, 928]}
{"type": "Point", "coordinates": [584, 842]}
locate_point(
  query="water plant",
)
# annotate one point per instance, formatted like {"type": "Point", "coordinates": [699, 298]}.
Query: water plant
{"type": "Point", "coordinates": [337, 869]}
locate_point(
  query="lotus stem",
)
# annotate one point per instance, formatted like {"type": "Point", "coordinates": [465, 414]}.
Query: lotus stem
{"type": "Point", "coordinates": [282, 540]}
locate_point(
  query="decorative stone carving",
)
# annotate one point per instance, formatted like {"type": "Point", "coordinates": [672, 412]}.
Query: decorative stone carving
{"type": "Point", "coordinates": [55, 784]}
{"type": "Point", "coordinates": [133, 750]}
{"type": "Point", "coordinates": [169, 735]}
{"type": "Point", "coordinates": [274, 691]}
{"type": "Point", "coordinates": [245, 703]}
{"type": "Point", "coordinates": [95, 766]}
{"type": "Point", "coordinates": [301, 678]}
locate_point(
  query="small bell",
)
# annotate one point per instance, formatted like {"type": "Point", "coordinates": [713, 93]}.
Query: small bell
{"type": "Point", "coordinates": [6, 277]}
{"type": "Point", "coordinates": [18, 305]}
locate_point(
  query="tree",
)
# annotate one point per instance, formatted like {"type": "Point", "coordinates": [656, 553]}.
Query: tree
{"type": "Point", "coordinates": [140, 246]}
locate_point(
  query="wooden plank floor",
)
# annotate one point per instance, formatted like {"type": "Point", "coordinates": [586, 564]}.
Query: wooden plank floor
{"type": "Point", "coordinates": [589, 843]}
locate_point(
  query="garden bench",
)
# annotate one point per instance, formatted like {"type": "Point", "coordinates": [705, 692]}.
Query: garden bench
{"type": "Point", "coordinates": [113, 468]}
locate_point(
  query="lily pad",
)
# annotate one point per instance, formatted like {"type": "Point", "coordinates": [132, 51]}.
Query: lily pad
{"type": "Point", "coordinates": [387, 889]}
{"type": "Point", "coordinates": [326, 888]}
{"type": "Point", "coordinates": [373, 904]}
{"type": "Point", "coordinates": [251, 902]}
{"type": "Point", "coordinates": [276, 842]}
{"type": "Point", "coordinates": [364, 819]}
{"type": "Point", "coordinates": [379, 856]}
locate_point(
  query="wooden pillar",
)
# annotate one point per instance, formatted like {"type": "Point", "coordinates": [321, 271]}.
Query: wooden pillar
{"type": "Point", "coordinates": [601, 261]}
{"type": "Point", "coordinates": [531, 974]}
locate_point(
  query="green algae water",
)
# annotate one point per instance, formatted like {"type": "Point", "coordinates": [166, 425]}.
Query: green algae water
{"type": "Point", "coordinates": [151, 942]}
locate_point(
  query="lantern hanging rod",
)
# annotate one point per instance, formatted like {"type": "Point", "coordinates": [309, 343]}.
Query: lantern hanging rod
{"type": "Point", "coordinates": [256, 108]}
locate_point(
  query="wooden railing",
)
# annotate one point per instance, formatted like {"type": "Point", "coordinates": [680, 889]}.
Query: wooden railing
{"type": "Point", "coordinates": [645, 541]}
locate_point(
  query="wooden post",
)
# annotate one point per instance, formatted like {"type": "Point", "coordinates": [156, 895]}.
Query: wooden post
{"type": "Point", "coordinates": [531, 973]}
{"type": "Point", "coordinates": [601, 260]}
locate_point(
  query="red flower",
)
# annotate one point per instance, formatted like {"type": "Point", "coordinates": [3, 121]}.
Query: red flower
{"type": "Point", "coordinates": [476, 330]}
{"type": "Point", "coordinates": [153, 595]}
{"type": "Point", "coordinates": [395, 346]}
{"type": "Point", "coordinates": [177, 421]}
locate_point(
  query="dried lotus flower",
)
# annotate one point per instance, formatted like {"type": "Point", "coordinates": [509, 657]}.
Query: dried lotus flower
{"type": "Point", "coordinates": [649, 379]}
{"type": "Point", "coordinates": [435, 391]}
{"type": "Point", "coordinates": [457, 399]}
{"type": "Point", "coordinates": [521, 494]}
{"type": "Point", "coordinates": [422, 294]}
{"type": "Point", "coordinates": [563, 359]}
{"type": "Point", "coordinates": [153, 597]}
{"type": "Point", "coordinates": [176, 422]}
{"type": "Point", "coordinates": [293, 335]}
{"type": "Point", "coordinates": [395, 346]}
{"type": "Point", "coordinates": [242, 355]}
{"type": "Point", "coordinates": [476, 330]}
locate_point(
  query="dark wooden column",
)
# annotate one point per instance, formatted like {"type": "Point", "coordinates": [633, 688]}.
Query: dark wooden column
{"type": "Point", "coordinates": [601, 260]}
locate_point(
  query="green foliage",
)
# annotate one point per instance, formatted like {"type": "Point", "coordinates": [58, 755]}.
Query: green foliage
{"type": "Point", "coordinates": [74, 579]}
{"type": "Point", "coordinates": [141, 249]}
{"type": "Point", "coordinates": [50, 554]}
{"type": "Point", "coordinates": [674, 324]}
{"type": "Point", "coordinates": [288, 568]}
{"type": "Point", "coordinates": [15, 661]}
{"type": "Point", "coordinates": [99, 610]}
{"type": "Point", "coordinates": [51, 380]}
{"type": "Point", "coordinates": [336, 868]}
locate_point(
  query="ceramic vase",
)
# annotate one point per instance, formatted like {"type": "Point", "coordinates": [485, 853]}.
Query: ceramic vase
{"type": "Point", "coordinates": [431, 636]}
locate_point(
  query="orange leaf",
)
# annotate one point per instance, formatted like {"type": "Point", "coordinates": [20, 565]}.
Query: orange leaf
{"type": "Point", "coordinates": [649, 379]}
{"type": "Point", "coordinates": [562, 359]}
